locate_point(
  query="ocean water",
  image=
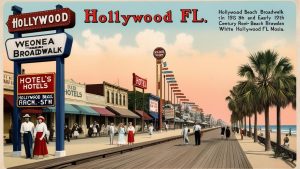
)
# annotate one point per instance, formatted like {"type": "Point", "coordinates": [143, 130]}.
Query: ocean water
{"type": "Point", "coordinates": [284, 128]}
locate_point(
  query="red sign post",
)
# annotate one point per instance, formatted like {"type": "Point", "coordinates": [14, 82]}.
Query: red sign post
{"type": "Point", "coordinates": [142, 84]}
{"type": "Point", "coordinates": [139, 82]}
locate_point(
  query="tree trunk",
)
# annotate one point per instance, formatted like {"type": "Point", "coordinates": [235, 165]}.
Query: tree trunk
{"type": "Point", "coordinates": [250, 127]}
{"type": "Point", "coordinates": [255, 127]}
{"type": "Point", "coordinates": [245, 126]}
{"type": "Point", "coordinates": [267, 130]}
{"type": "Point", "coordinates": [278, 126]}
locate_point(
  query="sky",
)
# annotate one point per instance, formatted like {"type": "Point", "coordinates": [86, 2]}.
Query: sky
{"type": "Point", "coordinates": [205, 61]}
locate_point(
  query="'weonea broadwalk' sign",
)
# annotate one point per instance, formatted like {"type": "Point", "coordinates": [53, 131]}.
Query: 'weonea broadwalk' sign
{"type": "Point", "coordinates": [39, 46]}
{"type": "Point", "coordinates": [41, 21]}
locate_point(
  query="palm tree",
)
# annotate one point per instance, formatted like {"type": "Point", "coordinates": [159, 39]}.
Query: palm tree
{"type": "Point", "coordinates": [236, 106]}
{"type": "Point", "coordinates": [262, 71]}
{"type": "Point", "coordinates": [249, 95]}
{"type": "Point", "coordinates": [285, 83]}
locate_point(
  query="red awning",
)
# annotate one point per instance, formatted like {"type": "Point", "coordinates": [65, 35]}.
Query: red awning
{"type": "Point", "coordinates": [103, 111]}
{"type": "Point", "coordinates": [9, 99]}
{"type": "Point", "coordinates": [31, 111]}
{"type": "Point", "coordinates": [144, 114]}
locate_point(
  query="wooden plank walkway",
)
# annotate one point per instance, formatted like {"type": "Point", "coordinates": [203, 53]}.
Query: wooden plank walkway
{"type": "Point", "coordinates": [212, 153]}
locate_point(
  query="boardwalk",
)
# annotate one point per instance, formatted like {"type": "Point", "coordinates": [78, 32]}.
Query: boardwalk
{"type": "Point", "coordinates": [212, 153]}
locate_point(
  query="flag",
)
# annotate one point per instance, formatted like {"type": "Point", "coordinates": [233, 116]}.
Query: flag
{"type": "Point", "coordinates": [164, 68]}
{"type": "Point", "coordinates": [176, 90]}
{"type": "Point", "coordinates": [170, 78]}
{"type": "Point", "coordinates": [167, 72]}
{"type": "Point", "coordinates": [165, 64]}
{"type": "Point", "coordinates": [169, 75]}
{"type": "Point", "coordinates": [172, 81]}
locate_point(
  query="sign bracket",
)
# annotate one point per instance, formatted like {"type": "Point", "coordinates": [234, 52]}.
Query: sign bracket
{"type": "Point", "coordinates": [59, 95]}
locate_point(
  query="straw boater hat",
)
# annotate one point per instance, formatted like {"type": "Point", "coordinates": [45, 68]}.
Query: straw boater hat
{"type": "Point", "coordinates": [26, 116]}
{"type": "Point", "coordinates": [41, 117]}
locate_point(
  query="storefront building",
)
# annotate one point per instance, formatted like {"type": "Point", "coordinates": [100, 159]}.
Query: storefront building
{"type": "Point", "coordinates": [116, 101]}
{"type": "Point", "coordinates": [80, 107]}
{"type": "Point", "coordinates": [84, 104]}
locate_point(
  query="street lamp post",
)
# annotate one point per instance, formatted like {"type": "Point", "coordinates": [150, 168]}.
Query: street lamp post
{"type": "Point", "coordinates": [159, 53]}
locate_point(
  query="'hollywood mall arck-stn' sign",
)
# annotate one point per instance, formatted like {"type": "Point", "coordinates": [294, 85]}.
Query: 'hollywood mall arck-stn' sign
{"type": "Point", "coordinates": [42, 89]}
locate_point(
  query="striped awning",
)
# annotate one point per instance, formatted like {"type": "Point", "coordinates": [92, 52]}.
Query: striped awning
{"type": "Point", "coordinates": [69, 109]}
{"type": "Point", "coordinates": [103, 111]}
{"type": "Point", "coordinates": [144, 114]}
{"type": "Point", "coordinates": [86, 110]}
{"type": "Point", "coordinates": [122, 112]}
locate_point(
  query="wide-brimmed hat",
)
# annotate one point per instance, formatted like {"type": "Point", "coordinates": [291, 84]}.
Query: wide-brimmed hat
{"type": "Point", "coordinates": [26, 116]}
{"type": "Point", "coordinates": [41, 117]}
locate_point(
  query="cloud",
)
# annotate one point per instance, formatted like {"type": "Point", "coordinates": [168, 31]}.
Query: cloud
{"type": "Point", "coordinates": [274, 43]}
{"type": "Point", "coordinates": [150, 39]}
{"type": "Point", "coordinates": [238, 43]}
{"type": "Point", "coordinates": [93, 44]}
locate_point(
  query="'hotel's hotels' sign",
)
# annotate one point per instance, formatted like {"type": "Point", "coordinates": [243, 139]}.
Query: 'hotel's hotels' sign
{"type": "Point", "coordinates": [53, 45]}
{"type": "Point", "coordinates": [36, 90]}
{"type": "Point", "coordinates": [41, 21]}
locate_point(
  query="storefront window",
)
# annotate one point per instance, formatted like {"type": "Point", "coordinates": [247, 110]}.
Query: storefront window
{"type": "Point", "coordinates": [117, 98]}
{"type": "Point", "coordinates": [123, 100]}
{"type": "Point", "coordinates": [107, 95]}
{"type": "Point", "coordinates": [112, 98]}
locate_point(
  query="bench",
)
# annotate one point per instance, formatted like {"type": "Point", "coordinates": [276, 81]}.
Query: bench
{"type": "Point", "coordinates": [280, 150]}
{"type": "Point", "coordinates": [285, 152]}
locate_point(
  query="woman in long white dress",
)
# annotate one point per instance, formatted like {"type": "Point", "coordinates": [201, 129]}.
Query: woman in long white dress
{"type": "Point", "coordinates": [121, 135]}
{"type": "Point", "coordinates": [185, 134]}
{"type": "Point", "coordinates": [151, 129]}
{"type": "Point", "coordinates": [76, 133]}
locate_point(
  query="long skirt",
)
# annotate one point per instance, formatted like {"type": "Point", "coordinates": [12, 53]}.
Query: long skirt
{"type": "Point", "coordinates": [121, 138]}
{"type": "Point", "coordinates": [40, 147]}
{"type": "Point", "coordinates": [130, 137]}
{"type": "Point", "coordinates": [76, 133]}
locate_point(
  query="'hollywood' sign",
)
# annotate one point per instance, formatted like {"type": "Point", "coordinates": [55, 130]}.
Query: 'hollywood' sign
{"type": "Point", "coordinates": [41, 21]}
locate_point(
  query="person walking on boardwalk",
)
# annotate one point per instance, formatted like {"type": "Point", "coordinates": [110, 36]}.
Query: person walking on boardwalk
{"type": "Point", "coordinates": [241, 132]}
{"type": "Point", "coordinates": [131, 132]}
{"type": "Point", "coordinates": [222, 132]}
{"type": "Point", "coordinates": [67, 133]}
{"type": "Point", "coordinates": [121, 136]}
{"type": "Point", "coordinates": [166, 126]}
{"type": "Point", "coordinates": [111, 133]}
{"type": "Point", "coordinates": [185, 134]}
{"type": "Point", "coordinates": [75, 130]}
{"type": "Point", "coordinates": [151, 129]}
{"type": "Point", "coordinates": [286, 141]}
{"type": "Point", "coordinates": [27, 129]}
{"type": "Point", "coordinates": [40, 147]}
{"type": "Point", "coordinates": [227, 132]}
{"type": "Point", "coordinates": [197, 133]}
